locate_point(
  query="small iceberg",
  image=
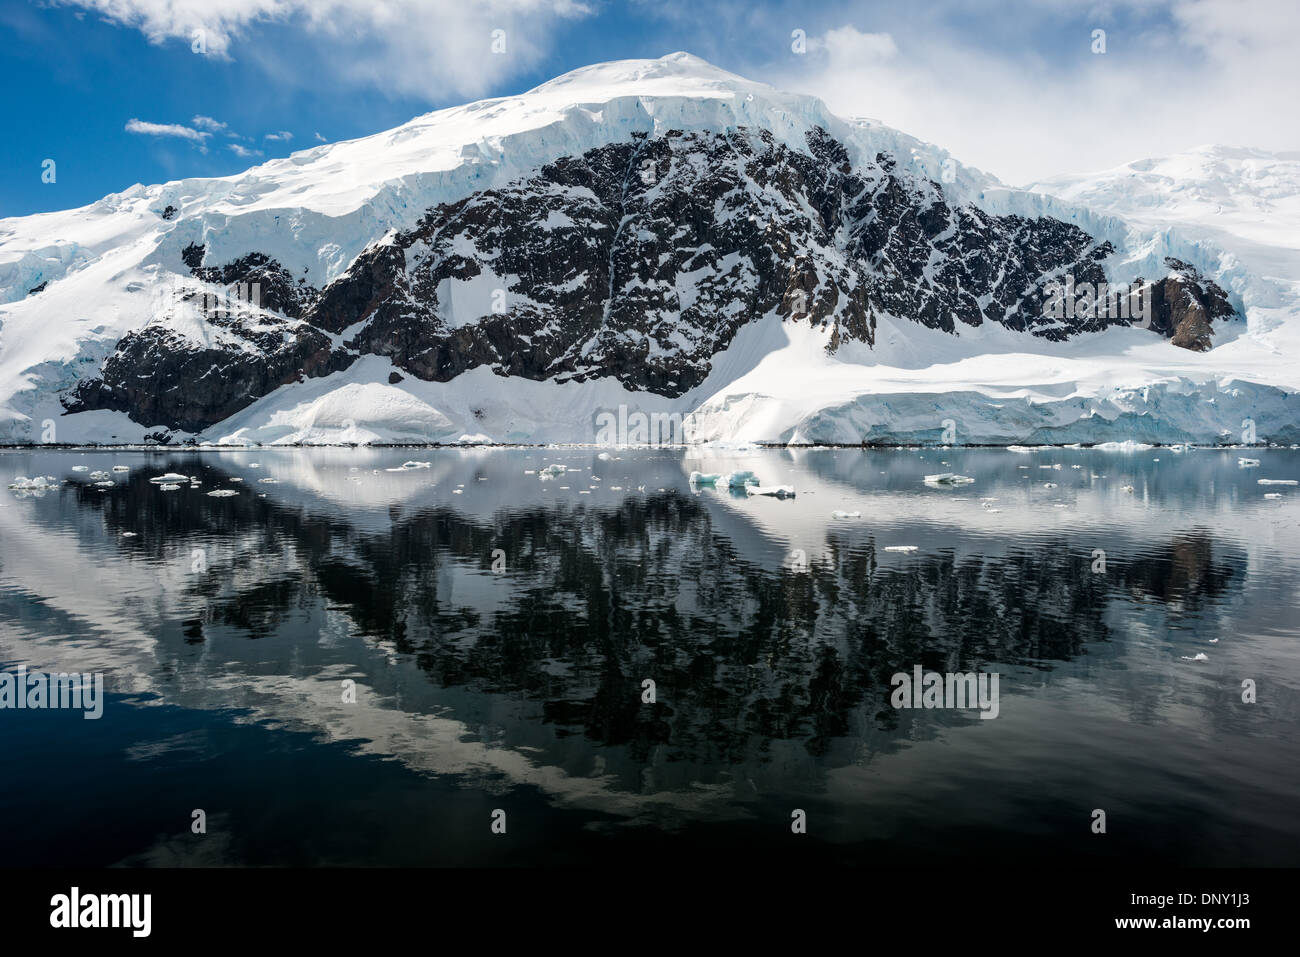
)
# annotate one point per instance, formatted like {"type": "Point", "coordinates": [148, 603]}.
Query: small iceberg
{"type": "Point", "coordinates": [1279, 482]}
{"type": "Point", "coordinates": [169, 487]}
{"type": "Point", "coordinates": [1199, 656]}
{"type": "Point", "coordinates": [222, 493]}
{"type": "Point", "coordinates": [81, 468]}
{"type": "Point", "coordinates": [1248, 463]}
{"type": "Point", "coordinates": [23, 482]}
{"type": "Point", "coordinates": [738, 480]}
{"type": "Point", "coordinates": [705, 478]}
{"type": "Point", "coordinates": [1272, 494]}
{"type": "Point", "coordinates": [948, 478]}
{"type": "Point", "coordinates": [168, 478]}
{"type": "Point", "coordinates": [773, 491]}
{"type": "Point", "coordinates": [121, 468]}
{"type": "Point", "coordinates": [839, 514]}
{"type": "Point", "coordinates": [901, 548]}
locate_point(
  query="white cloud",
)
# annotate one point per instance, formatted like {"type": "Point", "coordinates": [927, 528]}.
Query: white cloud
{"type": "Point", "coordinates": [282, 136]}
{"type": "Point", "coordinates": [207, 123]}
{"type": "Point", "coordinates": [321, 139]}
{"type": "Point", "coordinates": [242, 151]}
{"type": "Point", "coordinates": [143, 128]}
{"type": "Point", "coordinates": [416, 47]}
{"type": "Point", "coordinates": [1176, 74]}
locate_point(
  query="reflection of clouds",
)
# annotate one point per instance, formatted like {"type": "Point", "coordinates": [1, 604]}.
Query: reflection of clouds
{"type": "Point", "coordinates": [766, 665]}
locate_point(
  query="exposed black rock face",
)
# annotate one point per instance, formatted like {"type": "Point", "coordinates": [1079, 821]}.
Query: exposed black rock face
{"type": "Point", "coordinates": [169, 212]}
{"type": "Point", "coordinates": [639, 260]}
{"type": "Point", "coordinates": [35, 289]}
{"type": "Point", "coordinates": [1184, 306]}
{"type": "Point", "coordinates": [159, 376]}
{"type": "Point", "coordinates": [642, 260]}
{"type": "Point", "coordinates": [257, 279]}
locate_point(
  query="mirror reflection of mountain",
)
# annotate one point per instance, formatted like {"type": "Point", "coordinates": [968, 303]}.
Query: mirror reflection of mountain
{"type": "Point", "coordinates": [770, 629]}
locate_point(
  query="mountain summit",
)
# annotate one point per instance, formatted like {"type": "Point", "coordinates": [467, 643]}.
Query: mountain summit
{"type": "Point", "coordinates": [653, 236]}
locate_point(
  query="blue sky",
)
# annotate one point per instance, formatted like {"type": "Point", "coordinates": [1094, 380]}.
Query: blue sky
{"type": "Point", "coordinates": [114, 93]}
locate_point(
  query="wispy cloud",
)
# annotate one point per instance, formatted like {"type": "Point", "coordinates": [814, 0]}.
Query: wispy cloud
{"type": "Point", "coordinates": [282, 136]}
{"type": "Point", "coordinates": [1175, 74]}
{"type": "Point", "coordinates": [243, 151]}
{"type": "Point", "coordinates": [207, 123]}
{"type": "Point", "coordinates": [415, 47]}
{"type": "Point", "coordinates": [144, 128]}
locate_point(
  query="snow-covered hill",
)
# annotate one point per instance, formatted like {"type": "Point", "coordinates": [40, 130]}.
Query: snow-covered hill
{"type": "Point", "coordinates": [655, 237]}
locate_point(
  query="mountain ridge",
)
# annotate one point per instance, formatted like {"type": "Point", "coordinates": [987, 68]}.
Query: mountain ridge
{"type": "Point", "coordinates": [390, 252]}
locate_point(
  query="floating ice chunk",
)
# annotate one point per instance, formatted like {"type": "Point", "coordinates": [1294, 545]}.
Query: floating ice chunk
{"type": "Point", "coordinates": [128, 534]}
{"type": "Point", "coordinates": [738, 479]}
{"type": "Point", "coordinates": [839, 514]}
{"type": "Point", "coordinates": [948, 478]}
{"type": "Point", "coordinates": [774, 491]}
{"type": "Point", "coordinates": [1126, 446]}
{"type": "Point", "coordinates": [100, 474]}
{"type": "Point", "coordinates": [1199, 656]}
{"type": "Point", "coordinates": [122, 468]}
{"type": "Point", "coordinates": [552, 470]}
{"type": "Point", "coordinates": [616, 488]}
{"type": "Point", "coordinates": [222, 493]}
{"type": "Point", "coordinates": [1279, 482]}
{"type": "Point", "coordinates": [604, 456]}
{"type": "Point", "coordinates": [1247, 463]}
{"type": "Point", "coordinates": [81, 468]}
{"type": "Point", "coordinates": [1049, 485]}
{"type": "Point", "coordinates": [704, 478]}
{"type": "Point", "coordinates": [169, 487]}
{"type": "Point", "coordinates": [1272, 494]}
{"type": "Point", "coordinates": [23, 482]}
{"type": "Point", "coordinates": [167, 478]}
{"type": "Point", "coordinates": [900, 548]}
{"type": "Point", "coordinates": [268, 481]}
{"type": "Point", "coordinates": [1127, 488]}
{"type": "Point", "coordinates": [236, 479]}
{"type": "Point", "coordinates": [107, 483]}
{"type": "Point", "coordinates": [474, 438]}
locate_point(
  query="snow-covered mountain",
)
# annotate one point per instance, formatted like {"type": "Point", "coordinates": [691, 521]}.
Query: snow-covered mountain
{"type": "Point", "coordinates": [665, 238]}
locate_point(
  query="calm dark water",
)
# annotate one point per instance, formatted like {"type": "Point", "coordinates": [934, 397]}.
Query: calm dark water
{"type": "Point", "coordinates": [497, 628]}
